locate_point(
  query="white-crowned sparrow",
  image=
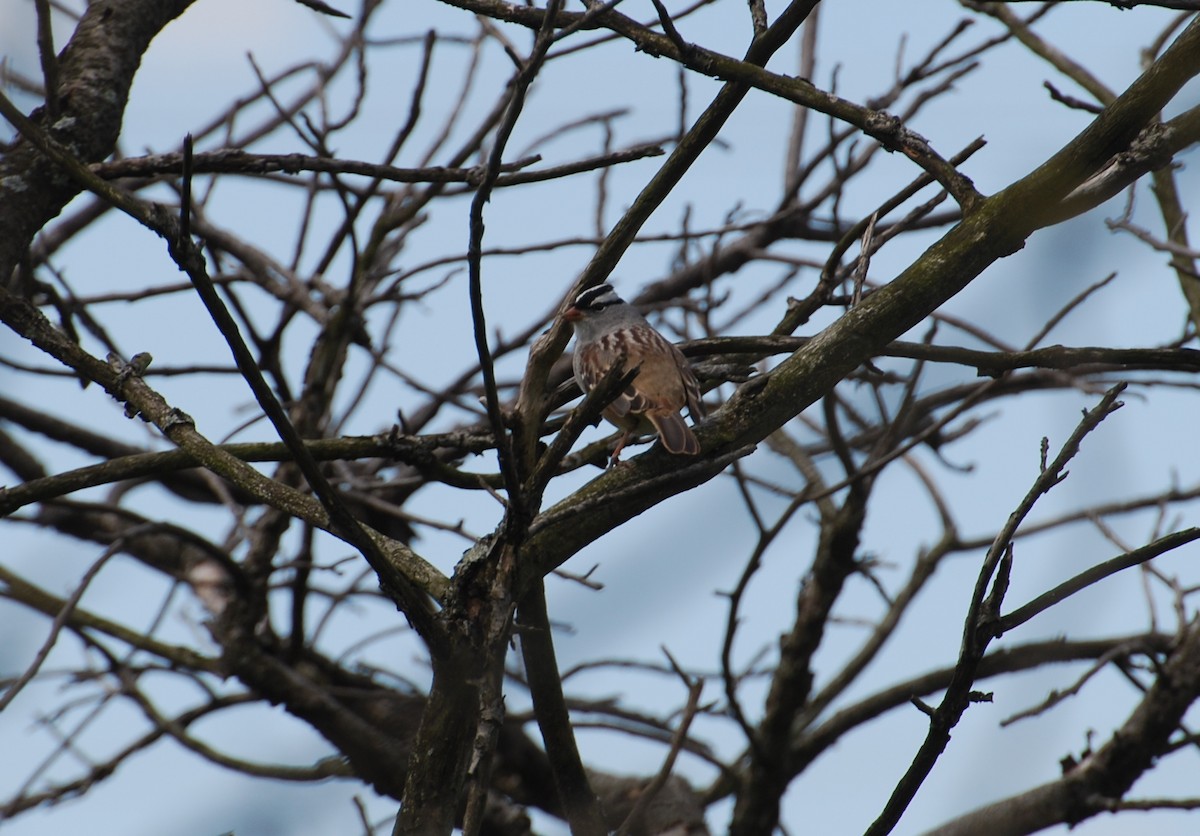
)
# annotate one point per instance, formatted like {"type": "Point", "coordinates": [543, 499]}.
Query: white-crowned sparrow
{"type": "Point", "coordinates": [609, 331]}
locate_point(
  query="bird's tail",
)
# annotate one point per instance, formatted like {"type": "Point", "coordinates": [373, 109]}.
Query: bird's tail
{"type": "Point", "coordinates": [674, 433]}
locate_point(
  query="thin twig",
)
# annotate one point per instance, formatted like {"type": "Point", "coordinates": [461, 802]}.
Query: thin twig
{"type": "Point", "coordinates": [647, 796]}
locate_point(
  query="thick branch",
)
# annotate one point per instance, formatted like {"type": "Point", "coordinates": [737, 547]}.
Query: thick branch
{"type": "Point", "coordinates": [1107, 775]}
{"type": "Point", "coordinates": [95, 72]}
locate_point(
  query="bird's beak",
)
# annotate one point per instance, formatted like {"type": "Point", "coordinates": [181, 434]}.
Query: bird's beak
{"type": "Point", "coordinates": [572, 314]}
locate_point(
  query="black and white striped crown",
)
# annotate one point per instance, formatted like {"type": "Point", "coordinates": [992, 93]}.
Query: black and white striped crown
{"type": "Point", "coordinates": [597, 298]}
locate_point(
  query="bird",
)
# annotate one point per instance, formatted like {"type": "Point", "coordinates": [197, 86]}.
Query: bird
{"type": "Point", "coordinates": [608, 331]}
